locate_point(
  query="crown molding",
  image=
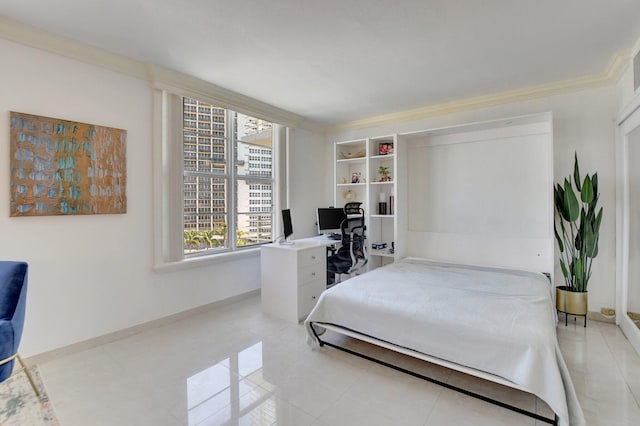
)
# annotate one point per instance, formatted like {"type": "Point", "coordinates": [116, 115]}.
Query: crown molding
{"type": "Point", "coordinates": [610, 76]}
{"type": "Point", "coordinates": [34, 37]}
{"type": "Point", "coordinates": [157, 76]}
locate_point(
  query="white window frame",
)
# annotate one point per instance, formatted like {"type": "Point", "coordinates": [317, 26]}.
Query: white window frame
{"type": "Point", "coordinates": [169, 187]}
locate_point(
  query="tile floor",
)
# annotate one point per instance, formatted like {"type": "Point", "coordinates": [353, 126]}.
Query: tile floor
{"type": "Point", "coordinates": [233, 365]}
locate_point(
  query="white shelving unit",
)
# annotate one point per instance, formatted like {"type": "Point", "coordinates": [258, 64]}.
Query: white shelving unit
{"type": "Point", "coordinates": [350, 172]}
{"type": "Point", "coordinates": [365, 171]}
{"type": "Point", "coordinates": [450, 186]}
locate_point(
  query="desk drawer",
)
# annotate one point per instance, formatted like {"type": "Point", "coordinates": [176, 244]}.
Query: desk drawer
{"type": "Point", "coordinates": [311, 272]}
{"type": "Point", "coordinates": [311, 256]}
{"type": "Point", "coordinates": [308, 296]}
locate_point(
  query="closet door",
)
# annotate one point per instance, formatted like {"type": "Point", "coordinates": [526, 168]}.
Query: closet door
{"type": "Point", "coordinates": [628, 301]}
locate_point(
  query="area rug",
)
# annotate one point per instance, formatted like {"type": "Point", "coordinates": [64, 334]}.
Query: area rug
{"type": "Point", "coordinates": [19, 405]}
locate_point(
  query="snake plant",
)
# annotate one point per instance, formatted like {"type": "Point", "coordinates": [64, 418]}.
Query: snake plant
{"type": "Point", "coordinates": [577, 227]}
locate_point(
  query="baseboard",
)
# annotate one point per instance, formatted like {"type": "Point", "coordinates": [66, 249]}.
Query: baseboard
{"type": "Point", "coordinates": [120, 334]}
{"type": "Point", "coordinates": [591, 316]}
{"type": "Point", "coordinates": [598, 316]}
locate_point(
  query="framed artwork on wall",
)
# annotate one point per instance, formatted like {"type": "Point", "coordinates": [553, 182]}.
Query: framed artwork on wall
{"type": "Point", "coordinates": [61, 167]}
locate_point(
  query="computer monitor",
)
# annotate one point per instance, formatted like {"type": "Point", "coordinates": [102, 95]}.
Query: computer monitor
{"type": "Point", "coordinates": [287, 226]}
{"type": "Point", "coordinates": [330, 219]}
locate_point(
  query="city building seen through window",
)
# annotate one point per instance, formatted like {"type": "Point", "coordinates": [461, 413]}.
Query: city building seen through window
{"type": "Point", "coordinates": [228, 179]}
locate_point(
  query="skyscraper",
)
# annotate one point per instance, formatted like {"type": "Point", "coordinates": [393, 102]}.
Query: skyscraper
{"type": "Point", "coordinates": [206, 129]}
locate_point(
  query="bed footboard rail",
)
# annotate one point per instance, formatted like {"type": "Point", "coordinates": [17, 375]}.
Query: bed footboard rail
{"type": "Point", "coordinates": [551, 421]}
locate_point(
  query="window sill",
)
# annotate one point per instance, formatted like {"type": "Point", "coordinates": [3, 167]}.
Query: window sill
{"type": "Point", "coordinates": [196, 262]}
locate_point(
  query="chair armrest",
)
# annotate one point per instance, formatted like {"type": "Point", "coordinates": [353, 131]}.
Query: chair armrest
{"type": "Point", "coordinates": [7, 341]}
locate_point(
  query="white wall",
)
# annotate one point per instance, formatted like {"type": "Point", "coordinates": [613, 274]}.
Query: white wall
{"type": "Point", "coordinates": [582, 121]}
{"type": "Point", "coordinates": [483, 197]}
{"type": "Point", "coordinates": [92, 275]}
{"type": "Point", "coordinates": [310, 182]}
{"type": "Point", "coordinates": [624, 87]}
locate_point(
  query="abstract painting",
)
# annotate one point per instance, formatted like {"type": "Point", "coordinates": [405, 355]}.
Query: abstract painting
{"type": "Point", "coordinates": [61, 167]}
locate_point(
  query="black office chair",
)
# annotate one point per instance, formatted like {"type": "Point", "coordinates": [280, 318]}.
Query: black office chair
{"type": "Point", "coordinates": [352, 254]}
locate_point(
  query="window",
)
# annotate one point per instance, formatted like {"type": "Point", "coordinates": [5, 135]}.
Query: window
{"type": "Point", "coordinates": [218, 176]}
{"type": "Point", "coordinates": [207, 189]}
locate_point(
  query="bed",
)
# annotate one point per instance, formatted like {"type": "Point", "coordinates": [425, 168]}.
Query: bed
{"type": "Point", "coordinates": [497, 324]}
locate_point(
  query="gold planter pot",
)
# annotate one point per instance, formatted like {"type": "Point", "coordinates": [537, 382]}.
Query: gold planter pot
{"type": "Point", "coordinates": [571, 303]}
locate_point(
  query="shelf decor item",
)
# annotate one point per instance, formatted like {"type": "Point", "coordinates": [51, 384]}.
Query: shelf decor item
{"type": "Point", "coordinates": [385, 148]}
{"type": "Point", "coordinates": [384, 174]}
{"type": "Point", "coordinates": [349, 195]}
{"type": "Point", "coordinates": [351, 155]}
{"type": "Point", "coordinates": [577, 230]}
{"type": "Point", "coordinates": [382, 204]}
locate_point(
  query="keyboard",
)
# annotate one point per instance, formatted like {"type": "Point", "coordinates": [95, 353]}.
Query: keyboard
{"type": "Point", "coordinates": [334, 236]}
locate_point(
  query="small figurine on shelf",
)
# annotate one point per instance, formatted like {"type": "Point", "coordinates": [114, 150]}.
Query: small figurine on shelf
{"type": "Point", "coordinates": [384, 174]}
{"type": "Point", "coordinates": [385, 148]}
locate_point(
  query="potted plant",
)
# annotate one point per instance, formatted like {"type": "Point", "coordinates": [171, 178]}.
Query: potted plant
{"type": "Point", "coordinates": [384, 174]}
{"type": "Point", "coordinates": [577, 230]}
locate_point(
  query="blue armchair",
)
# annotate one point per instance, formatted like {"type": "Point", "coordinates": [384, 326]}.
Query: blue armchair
{"type": "Point", "coordinates": [13, 298]}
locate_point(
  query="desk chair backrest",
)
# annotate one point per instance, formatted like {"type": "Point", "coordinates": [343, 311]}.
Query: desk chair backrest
{"type": "Point", "coordinates": [354, 236]}
{"type": "Point", "coordinates": [352, 254]}
{"type": "Point", "coordinates": [354, 221]}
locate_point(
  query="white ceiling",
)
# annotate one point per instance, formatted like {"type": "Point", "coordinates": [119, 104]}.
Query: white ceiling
{"type": "Point", "coordinates": [333, 61]}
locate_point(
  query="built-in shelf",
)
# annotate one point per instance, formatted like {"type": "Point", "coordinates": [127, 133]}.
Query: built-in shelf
{"type": "Point", "coordinates": [380, 161]}
{"type": "Point", "coordinates": [381, 253]}
{"type": "Point", "coordinates": [352, 160]}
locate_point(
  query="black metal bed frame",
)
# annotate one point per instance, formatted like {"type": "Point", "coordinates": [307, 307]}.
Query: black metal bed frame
{"type": "Point", "coordinates": [484, 398]}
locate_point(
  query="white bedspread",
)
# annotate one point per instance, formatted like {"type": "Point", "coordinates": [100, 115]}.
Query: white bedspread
{"type": "Point", "coordinates": [494, 320]}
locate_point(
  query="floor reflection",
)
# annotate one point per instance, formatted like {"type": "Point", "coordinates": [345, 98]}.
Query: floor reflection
{"type": "Point", "coordinates": [223, 395]}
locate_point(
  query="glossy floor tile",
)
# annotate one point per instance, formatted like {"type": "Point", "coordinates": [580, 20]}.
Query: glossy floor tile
{"type": "Point", "coordinates": [235, 366]}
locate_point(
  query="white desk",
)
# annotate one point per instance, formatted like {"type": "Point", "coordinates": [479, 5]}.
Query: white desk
{"type": "Point", "coordinates": [320, 239]}
{"type": "Point", "coordinates": [293, 276]}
